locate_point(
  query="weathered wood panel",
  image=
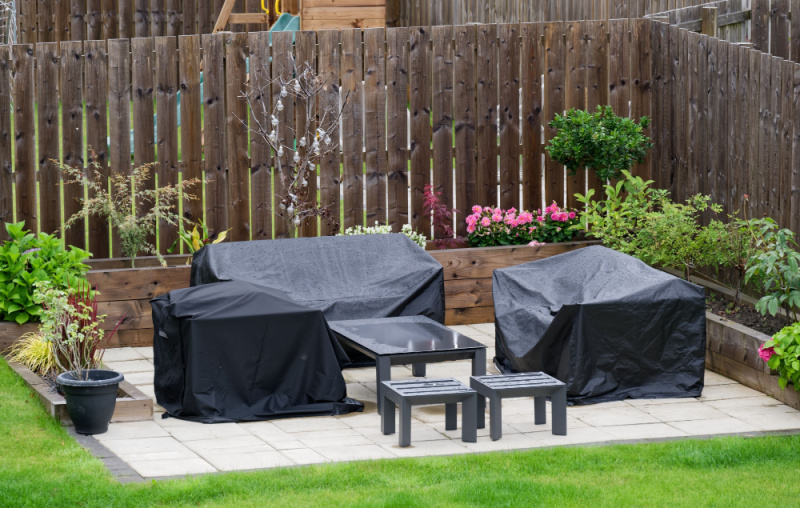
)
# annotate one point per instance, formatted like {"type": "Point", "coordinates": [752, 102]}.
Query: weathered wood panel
{"type": "Point", "coordinates": [375, 125]}
{"type": "Point", "coordinates": [420, 90]}
{"type": "Point", "coordinates": [486, 181]}
{"type": "Point", "coordinates": [397, 68]}
{"type": "Point", "coordinates": [72, 63]}
{"type": "Point", "coordinates": [465, 123]}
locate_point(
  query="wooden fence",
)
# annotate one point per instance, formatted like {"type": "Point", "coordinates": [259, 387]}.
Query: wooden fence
{"type": "Point", "coordinates": [727, 124]}
{"type": "Point", "coordinates": [79, 20]}
{"type": "Point", "coordinates": [448, 83]}
{"type": "Point", "coordinates": [775, 30]}
{"type": "Point", "coordinates": [460, 12]}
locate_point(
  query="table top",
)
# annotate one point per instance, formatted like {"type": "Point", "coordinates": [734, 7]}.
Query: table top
{"type": "Point", "coordinates": [403, 335]}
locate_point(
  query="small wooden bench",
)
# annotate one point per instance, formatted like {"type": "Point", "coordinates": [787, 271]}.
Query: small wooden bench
{"type": "Point", "coordinates": [429, 391]}
{"type": "Point", "coordinates": [532, 384]}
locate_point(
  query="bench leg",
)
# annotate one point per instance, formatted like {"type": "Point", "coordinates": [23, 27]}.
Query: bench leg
{"type": "Point", "coordinates": [451, 416]}
{"type": "Point", "coordinates": [418, 369]}
{"type": "Point", "coordinates": [540, 410]}
{"type": "Point", "coordinates": [495, 418]}
{"type": "Point", "coordinates": [405, 424]}
{"type": "Point", "coordinates": [383, 372]}
{"type": "Point", "coordinates": [558, 400]}
{"type": "Point", "coordinates": [387, 417]}
{"type": "Point", "coordinates": [479, 369]}
{"type": "Point", "coordinates": [469, 419]}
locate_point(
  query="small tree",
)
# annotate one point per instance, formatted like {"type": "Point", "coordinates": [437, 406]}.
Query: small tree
{"type": "Point", "coordinates": [601, 141]}
{"type": "Point", "coordinates": [304, 144]}
{"type": "Point", "coordinates": [130, 207]}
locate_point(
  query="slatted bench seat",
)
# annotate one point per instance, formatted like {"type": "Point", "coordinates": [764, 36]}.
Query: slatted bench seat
{"type": "Point", "coordinates": [531, 384]}
{"type": "Point", "coordinates": [429, 391]}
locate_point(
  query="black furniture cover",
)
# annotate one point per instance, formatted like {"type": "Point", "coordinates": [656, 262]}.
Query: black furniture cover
{"type": "Point", "coordinates": [346, 277]}
{"type": "Point", "coordinates": [236, 351]}
{"type": "Point", "coordinates": [605, 323]}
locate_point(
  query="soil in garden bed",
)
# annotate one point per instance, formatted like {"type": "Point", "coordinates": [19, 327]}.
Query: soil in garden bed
{"type": "Point", "coordinates": [745, 315]}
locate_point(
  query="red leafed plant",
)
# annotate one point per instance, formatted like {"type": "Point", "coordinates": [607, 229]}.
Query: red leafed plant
{"type": "Point", "coordinates": [441, 217]}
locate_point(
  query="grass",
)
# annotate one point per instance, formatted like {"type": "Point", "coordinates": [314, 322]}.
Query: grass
{"type": "Point", "coordinates": [42, 466]}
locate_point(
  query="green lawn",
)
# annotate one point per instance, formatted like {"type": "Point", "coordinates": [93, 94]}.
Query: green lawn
{"type": "Point", "coordinates": [40, 465]}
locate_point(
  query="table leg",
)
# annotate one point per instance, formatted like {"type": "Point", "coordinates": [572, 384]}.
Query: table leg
{"type": "Point", "coordinates": [451, 416]}
{"type": "Point", "coordinates": [418, 369]}
{"type": "Point", "coordinates": [540, 410]}
{"type": "Point", "coordinates": [479, 369]}
{"type": "Point", "coordinates": [387, 418]}
{"type": "Point", "coordinates": [558, 402]}
{"type": "Point", "coordinates": [383, 367]}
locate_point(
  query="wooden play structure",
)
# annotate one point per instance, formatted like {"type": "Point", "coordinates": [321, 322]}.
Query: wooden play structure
{"type": "Point", "coordinates": [314, 15]}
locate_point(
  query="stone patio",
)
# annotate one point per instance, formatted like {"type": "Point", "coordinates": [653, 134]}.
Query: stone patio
{"type": "Point", "coordinates": [171, 447]}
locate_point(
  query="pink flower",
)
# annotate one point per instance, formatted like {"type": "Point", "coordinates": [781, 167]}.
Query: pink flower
{"type": "Point", "coordinates": [488, 209]}
{"type": "Point", "coordinates": [471, 228]}
{"type": "Point", "coordinates": [540, 218]}
{"type": "Point", "coordinates": [558, 230]}
{"type": "Point", "coordinates": [497, 217]}
{"type": "Point", "coordinates": [525, 217]}
{"type": "Point", "coordinates": [473, 219]}
{"type": "Point", "coordinates": [486, 222]}
{"type": "Point", "coordinates": [510, 218]}
{"type": "Point", "coordinates": [477, 209]}
{"type": "Point", "coordinates": [766, 353]}
{"type": "Point", "coordinates": [535, 244]}
{"type": "Point", "coordinates": [511, 211]}
{"type": "Point", "coordinates": [564, 216]}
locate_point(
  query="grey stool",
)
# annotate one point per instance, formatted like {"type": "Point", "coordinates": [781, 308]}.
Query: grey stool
{"type": "Point", "coordinates": [429, 391]}
{"type": "Point", "coordinates": [532, 384]}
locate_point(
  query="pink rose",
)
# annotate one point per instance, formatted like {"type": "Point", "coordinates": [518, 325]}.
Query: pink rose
{"type": "Point", "coordinates": [486, 222]}
{"type": "Point", "coordinates": [477, 209]}
{"type": "Point", "coordinates": [471, 228]}
{"type": "Point", "coordinates": [766, 353]}
{"type": "Point", "coordinates": [572, 215]}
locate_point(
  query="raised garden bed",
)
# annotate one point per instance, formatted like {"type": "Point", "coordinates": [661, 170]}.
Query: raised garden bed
{"type": "Point", "coordinates": [132, 405]}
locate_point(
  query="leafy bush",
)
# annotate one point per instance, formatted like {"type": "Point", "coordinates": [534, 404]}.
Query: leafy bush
{"type": "Point", "coordinates": [35, 353]}
{"type": "Point", "coordinates": [196, 239]}
{"type": "Point", "coordinates": [417, 238]}
{"type": "Point", "coordinates": [735, 244]}
{"type": "Point", "coordinates": [645, 223]}
{"type": "Point", "coordinates": [601, 141]}
{"type": "Point", "coordinates": [488, 226]}
{"type": "Point", "coordinates": [778, 266]}
{"type": "Point", "coordinates": [441, 217]}
{"type": "Point", "coordinates": [26, 259]}
{"type": "Point", "coordinates": [782, 353]}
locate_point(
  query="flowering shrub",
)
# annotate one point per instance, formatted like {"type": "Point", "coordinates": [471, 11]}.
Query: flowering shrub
{"type": "Point", "coordinates": [782, 353]}
{"type": "Point", "coordinates": [489, 226]}
{"type": "Point", "coordinates": [385, 230]}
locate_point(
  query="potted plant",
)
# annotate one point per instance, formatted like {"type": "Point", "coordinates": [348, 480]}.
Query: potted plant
{"type": "Point", "coordinates": [72, 326]}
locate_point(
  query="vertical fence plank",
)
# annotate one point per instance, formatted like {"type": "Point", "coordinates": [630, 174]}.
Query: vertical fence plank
{"type": "Point", "coordinates": [189, 16]}
{"type": "Point", "coordinates": [465, 117]}
{"type": "Point", "coordinates": [25, 135]}
{"type": "Point", "coordinates": [45, 21]}
{"type": "Point", "coordinates": [721, 99]}
{"type": "Point", "coordinates": [486, 181]}
{"type": "Point", "coordinates": [575, 93]}
{"type": "Point", "coordinates": [741, 127]}
{"type": "Point", "coordinates": [96, 72]}
{"type": "Point", "coordinates": [173, 18]}
{"type": "Point", "coordinates": [352, 126]}
{"type": "Point", "coordinates": [110, 19]}
{"type": "Point", "coordinates": [216, 198]}
{"type": "Point", "coordinates": [619, 71]}
{"type": "Point", "coordinates": [794, 33]}
{"type": "Point", "coordinates": [780, 29]}
{"type": "Point", "coordinates": [375, 123]}
{"type": "Point", "coordinates": [191, 127]}
{"type": "Point", "coordinates": [47, 56]}
{"type": "Point", "coordinates": [680, 67]}
{"type": "Point", "coordinates": [26, 22]}
{"type": "Point", "coordinates": [237, 136]}
{"type": "Point", "coordinates": [775, 128]}
{"type": "Point", "coordinates": [712, 169]}
{"type": "Point", "coordinates": [205, 17]}
{"type": "Point", "coordinates": [641, 82]}
{"type": "Point", "coordinates": [119, 109]}
{"type": "Point", "coordinates": [166, 85]}
{"type": "Point", "coordinates": [764, 134]}
{"type": "Point", "coordinates": [554, 79]}
{"type": "Point", "coordinates": [72, 120]}
{"type": "Point", "coordinates": [397, 126]}
{"type": "Point", "coordinates": [143, 99]}
{"type": "Point", "coordinates": [141, 18]}
{"type": "Point", "coordinates": [158, 25]}
{"type": "Point", "coordinates": [126, 20]}
{"type": "Point", "coordinates": [62, 13]}
{"type": "Point", "coordinates": [419, 86]}
{"type": "Point", "coordinates": [759, 25]}
{"type": "Point", "coordinates": [6, 170]}
{"type": "Point", "coordinates": [754, 147]}
{"type": "Point", "coordinates": [282, 71]}
{"type": "Point", "coordinates": [305, 112]}
{"type": "Point", "coordinates": [532, 150]}
{"type": "Point", "coordinates": [785, 141]}
{"type": "Point", "coordinates": [509, 115]}
{"type": "Point", "coordinates": [734, 149]}
{"type": "Point", "coordinates": [795, 173]}
{"type": "Point", "coordinates": [329, 170]}
{"type": "Point", "coordinates": [260, 151]}
{"type": "Point", "coordinates": [77, 20]}
{"type": "Point", "coordinates": [94, 20]}
{"type": "Point", "coordinates": [442, 85]}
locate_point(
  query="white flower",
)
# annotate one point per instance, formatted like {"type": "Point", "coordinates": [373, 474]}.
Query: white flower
{"type": "Point", "coordinates": [328, 140]}
{"type": "Point", "coordinates": [296, 221]}
{"type": "Point", "coordinates": [279, 105]}
{"type": "Point", "coordinates": [282, 206]}
{"type": "Point", "coordinates": [320, 133]}
{"type": "Point", "coordinates": [296, 158]}
{"type": "Point", "coordinates": [317, 151]}
{"type": "Point", "coordinates": [290, 209]}
{"type": "Point", "coordinates": [297, 86]}
{"type": "Point", "coordinates": [274, 121]}
{"type": "Point", "coordinates": [303, 141]}
{"type": "Point", "coordinates": [284, 91]}
{"type": "Point", "coordinates": [273, 136]}
{"type": "Point", "coordinates": [280, 151]}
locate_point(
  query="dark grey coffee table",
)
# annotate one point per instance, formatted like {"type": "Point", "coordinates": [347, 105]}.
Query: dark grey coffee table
{"type": "Point", "coordinates": [414, 340]}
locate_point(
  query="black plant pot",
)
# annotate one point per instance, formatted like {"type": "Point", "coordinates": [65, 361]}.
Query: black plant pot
{"type": "Point", "coordinates": [91, 403]}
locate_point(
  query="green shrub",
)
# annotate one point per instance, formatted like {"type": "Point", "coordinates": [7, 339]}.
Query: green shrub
{"type": "Point", "coordinates": [782, 353]}
{"type": "Point", "coordinates": [26, 259]}
{"type": "Point", "coordinates": [777, 265]}
{"type": "Point", "coordinates": [601, 141]}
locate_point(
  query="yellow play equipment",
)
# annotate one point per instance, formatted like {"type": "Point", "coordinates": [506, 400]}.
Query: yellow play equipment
{"type": "Point", "coordinates": [227, 16]}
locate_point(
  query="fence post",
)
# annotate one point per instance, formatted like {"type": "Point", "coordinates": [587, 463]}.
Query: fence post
{"type": "Point", "coordinates": [709, 21]}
